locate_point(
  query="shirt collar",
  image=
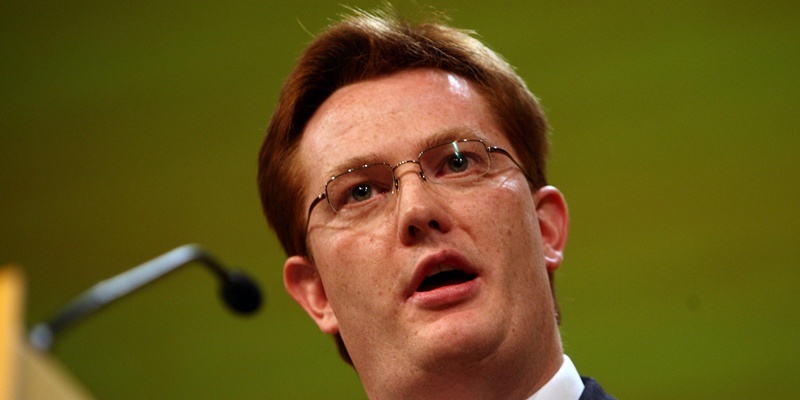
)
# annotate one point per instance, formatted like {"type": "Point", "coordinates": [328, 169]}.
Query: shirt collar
{"type": "Point", "coordinates": [566, 384]}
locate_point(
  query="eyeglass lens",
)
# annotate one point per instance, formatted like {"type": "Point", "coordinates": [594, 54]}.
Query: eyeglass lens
{"type": "Point", "coordinates": [360, 189]}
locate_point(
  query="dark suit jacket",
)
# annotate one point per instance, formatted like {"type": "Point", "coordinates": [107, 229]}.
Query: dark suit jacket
{"type": "Point", "coordinates": [593, 391]}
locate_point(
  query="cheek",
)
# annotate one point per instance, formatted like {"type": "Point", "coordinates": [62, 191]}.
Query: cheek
{"type": "Point", "coordinates": [511, 233]}
{"type": "Point", "coordinates": [508, 209]}
{"type": "Point", "coordinates": [348, 265]}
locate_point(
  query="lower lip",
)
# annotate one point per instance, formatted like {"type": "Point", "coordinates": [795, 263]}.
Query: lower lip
{"type": "Point", "coordinates": [446, 296]}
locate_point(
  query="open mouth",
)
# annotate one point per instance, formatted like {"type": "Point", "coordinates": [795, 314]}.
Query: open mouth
{"type": "Point", "coordinates": [444, 276]}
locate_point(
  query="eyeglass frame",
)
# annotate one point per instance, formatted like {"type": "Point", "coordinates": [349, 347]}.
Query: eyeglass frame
{"type": "Point", "coordinates": [489, 151]}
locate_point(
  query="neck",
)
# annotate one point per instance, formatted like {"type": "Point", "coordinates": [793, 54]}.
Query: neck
{"type": "Point", "coordinates": [516, 375]}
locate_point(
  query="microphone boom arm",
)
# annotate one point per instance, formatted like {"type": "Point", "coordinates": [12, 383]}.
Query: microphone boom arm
{"type": "Point", "coordinates": [239, 291]}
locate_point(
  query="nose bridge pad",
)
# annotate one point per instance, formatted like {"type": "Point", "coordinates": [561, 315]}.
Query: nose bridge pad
{"type": "Point", "coordinates": [396, 176]}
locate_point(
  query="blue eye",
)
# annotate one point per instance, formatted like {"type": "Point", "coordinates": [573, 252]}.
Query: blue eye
{"type": "Point", "coordinates": [361, 192]}
{"type": "Point", "coordinates": [457, 163]}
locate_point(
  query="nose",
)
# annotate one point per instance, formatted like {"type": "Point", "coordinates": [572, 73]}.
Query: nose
{"type": "Point", "coordinates": [421, 210]}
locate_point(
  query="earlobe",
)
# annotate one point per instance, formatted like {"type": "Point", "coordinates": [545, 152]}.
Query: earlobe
{"type": "Point", "coordinates": [303, 283]}
{"type": "Point", "coordinates": [551, 209]}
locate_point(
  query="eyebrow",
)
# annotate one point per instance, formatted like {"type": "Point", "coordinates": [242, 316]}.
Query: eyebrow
{"type": "Point", "coordinates": [354, 162]}
{"type": "Point", "coordinates": [440, 137]}
{"type": "Point", "coordinates": [451, 135]}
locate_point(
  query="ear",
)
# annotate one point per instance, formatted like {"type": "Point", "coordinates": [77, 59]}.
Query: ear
{"type": "Point", "coordinates": [303, 283]}
{"type": "Point", "coordinates": [551, 209]}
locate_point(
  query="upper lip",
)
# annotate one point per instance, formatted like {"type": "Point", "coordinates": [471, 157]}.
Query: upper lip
{"type": "Point", "coordinates": [449, 259]}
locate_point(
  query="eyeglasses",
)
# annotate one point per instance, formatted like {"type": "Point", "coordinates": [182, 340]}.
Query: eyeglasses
{"type": "Point", "coordinates": [359, 191]}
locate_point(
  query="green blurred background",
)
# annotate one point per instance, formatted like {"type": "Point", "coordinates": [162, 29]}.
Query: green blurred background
{"type": "Point", "coordinates": [129, 129]}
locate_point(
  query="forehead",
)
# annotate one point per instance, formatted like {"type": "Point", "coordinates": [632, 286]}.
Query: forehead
{"type": "Point", "coordinates": [390, 119]}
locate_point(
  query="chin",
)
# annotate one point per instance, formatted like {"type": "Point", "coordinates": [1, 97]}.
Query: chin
{"type": "Point", "coordinates": [459, 337]}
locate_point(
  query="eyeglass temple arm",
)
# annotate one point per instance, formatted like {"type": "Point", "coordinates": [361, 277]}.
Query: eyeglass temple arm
{"type": "Point", "coordinates": [495, 149]}
{"type": "Point", "coordinates": [322, 196]}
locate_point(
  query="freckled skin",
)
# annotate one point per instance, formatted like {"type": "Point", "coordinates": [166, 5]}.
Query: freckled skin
{"type": "Point", "coordinates": [360, 274]}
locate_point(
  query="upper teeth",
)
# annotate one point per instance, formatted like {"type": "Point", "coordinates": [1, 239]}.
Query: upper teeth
{"type": "Point", "coordinates": [441, 268]}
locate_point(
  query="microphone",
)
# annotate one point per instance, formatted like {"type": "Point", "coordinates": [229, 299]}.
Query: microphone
{"type": "Point", "coordinates": [238, 291]}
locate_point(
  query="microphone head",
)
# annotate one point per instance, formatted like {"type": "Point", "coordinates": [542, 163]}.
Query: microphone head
{"type": "Point", "coordinates": [241, 293]}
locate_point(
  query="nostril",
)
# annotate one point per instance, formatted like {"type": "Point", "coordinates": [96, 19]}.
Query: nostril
{"type": "Point", "coordinates": [434, 224]}
{"type": "Point", "coordinates": [412, 230]}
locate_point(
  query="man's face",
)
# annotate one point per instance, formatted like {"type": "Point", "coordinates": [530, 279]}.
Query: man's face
{"type": "Point", "coordinates": [367, 281]}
